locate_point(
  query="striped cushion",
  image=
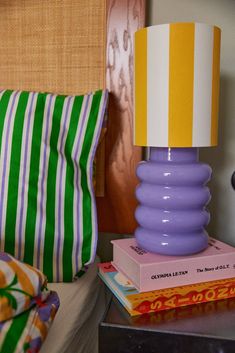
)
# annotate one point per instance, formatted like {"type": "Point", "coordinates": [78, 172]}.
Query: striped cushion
{"type": "Point", "coordinates": [47, 204]}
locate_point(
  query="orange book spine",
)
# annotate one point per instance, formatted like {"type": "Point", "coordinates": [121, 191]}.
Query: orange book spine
{"type": "Point", "coordinates": [188, 311]}
{"type": "Point", "coordinates": [191, 296]}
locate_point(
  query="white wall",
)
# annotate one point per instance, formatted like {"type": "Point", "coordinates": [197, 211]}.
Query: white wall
{"type": "Point", "coordinates": [221, 158]}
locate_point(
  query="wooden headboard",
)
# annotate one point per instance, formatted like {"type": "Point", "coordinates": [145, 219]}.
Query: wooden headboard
{"type": "Point", "coordinates": [73, 47]}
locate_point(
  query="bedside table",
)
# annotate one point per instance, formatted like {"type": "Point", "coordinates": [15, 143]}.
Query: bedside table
{"type": "Point", "coordinates": [203, 328]}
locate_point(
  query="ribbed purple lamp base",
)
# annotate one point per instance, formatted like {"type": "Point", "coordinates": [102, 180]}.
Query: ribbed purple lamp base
{"type": "Point", "coordinates": [172, 196]}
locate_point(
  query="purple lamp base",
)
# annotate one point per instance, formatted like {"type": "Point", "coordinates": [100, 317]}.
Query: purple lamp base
{"type": "Point", "coordinates": [172, 196]}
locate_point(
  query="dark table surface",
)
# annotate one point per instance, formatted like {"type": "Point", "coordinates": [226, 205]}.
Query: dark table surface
{"type": "Point", "coordinates": [208, 327]}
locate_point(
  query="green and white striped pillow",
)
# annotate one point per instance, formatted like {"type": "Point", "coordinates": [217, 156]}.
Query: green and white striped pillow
{"type": "Point", "coordinates": [47, 204]}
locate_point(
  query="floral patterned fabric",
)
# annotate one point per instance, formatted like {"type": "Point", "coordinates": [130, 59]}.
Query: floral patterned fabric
{"type": "Point", "coordinates": [27, 307]}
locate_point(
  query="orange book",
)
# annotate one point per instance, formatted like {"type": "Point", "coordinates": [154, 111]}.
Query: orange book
{"type": "Point", "coordinates": [137, 303]}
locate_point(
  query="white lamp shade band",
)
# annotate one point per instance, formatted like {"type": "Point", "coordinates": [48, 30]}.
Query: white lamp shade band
{"type": "Point", "coordinates": [176, 85]}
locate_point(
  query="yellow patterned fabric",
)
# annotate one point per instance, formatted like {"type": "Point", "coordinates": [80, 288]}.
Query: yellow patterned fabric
{"type": "Point", "coordinates": [27, 307]}
{"type": "Point", "coordinates": [26, 332]}
{"type": "Point", "coordinates": [21, 286]}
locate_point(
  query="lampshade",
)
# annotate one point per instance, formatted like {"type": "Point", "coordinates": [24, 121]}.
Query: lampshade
{"type": "Point", "coordinates": [177, 85]}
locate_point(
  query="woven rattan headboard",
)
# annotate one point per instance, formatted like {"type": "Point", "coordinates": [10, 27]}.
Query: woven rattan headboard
{"type": "Point", "coordinates": [61, 46]}
{"type": "Point", "coordinates": [54, 45]}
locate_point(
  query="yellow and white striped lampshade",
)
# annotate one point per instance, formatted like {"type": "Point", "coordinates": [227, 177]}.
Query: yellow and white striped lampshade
{"type": "Point", "coordinates": [177, 85]}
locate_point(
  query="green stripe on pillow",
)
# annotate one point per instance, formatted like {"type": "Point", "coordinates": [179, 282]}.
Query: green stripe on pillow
{"type": "Point", "coordinates": [69, 186]}
{"type": "Point", "coordinates": [47, 203]}
{"type": "Point", "coordinates": [31, 214]}
{"type": "Point", "coordinates": [14, 172]}
{"type": "Point", "coordinates": [51, 191]}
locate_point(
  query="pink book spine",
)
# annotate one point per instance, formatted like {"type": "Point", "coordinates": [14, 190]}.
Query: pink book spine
{"type": "Point", "coordinates": [173, 274]}
{"type": "Point", "coordinates": [183, 273]}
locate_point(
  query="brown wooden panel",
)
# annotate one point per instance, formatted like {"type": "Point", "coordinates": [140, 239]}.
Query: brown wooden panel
{"type": "Point", "coordinates": [116, 209]}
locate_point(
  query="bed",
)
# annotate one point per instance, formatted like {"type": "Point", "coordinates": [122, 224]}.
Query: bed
{"type": "Point", "coordinates": [82, 304]}
{"type": "Point", "coordinates": [72, 47]}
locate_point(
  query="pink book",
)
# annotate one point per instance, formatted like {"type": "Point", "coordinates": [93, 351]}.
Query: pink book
{"type": "Point", "coordinates": [150, 271]}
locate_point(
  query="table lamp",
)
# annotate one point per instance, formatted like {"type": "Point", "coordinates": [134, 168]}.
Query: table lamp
{"type": "Point", "coordinates": [176, 93]}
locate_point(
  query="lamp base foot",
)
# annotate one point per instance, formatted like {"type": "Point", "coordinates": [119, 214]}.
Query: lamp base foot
{"type": "Point", "coordinates": [167, 244]}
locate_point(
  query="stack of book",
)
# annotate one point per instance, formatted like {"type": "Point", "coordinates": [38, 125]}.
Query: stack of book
{"type": "Point", "coordinates": [145, 282]}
